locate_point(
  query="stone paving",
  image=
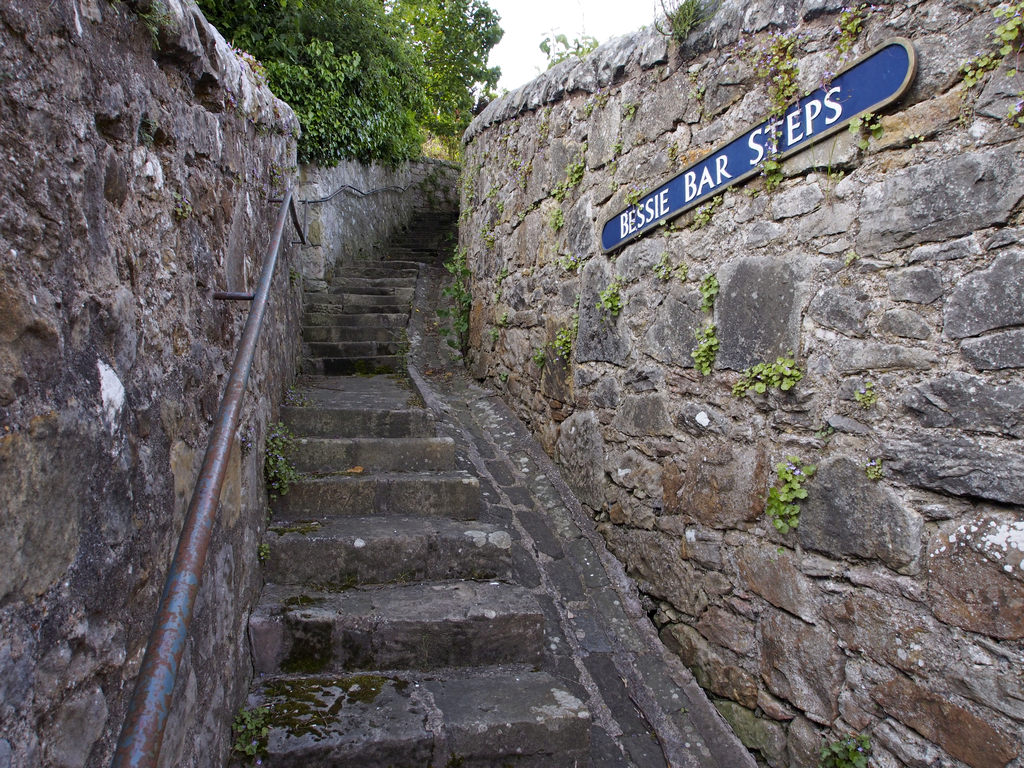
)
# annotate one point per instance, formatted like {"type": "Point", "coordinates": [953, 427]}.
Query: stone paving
{"type": "Point", "coordinates": [647, 709]}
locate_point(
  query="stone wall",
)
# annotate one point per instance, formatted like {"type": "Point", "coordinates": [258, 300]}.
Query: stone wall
{"type": "Point", "coordinates": [369, 203]}
{"type": "Point", "coordinates": [894, 608]}
{"type": "Point", "coordinates": [137, 172]}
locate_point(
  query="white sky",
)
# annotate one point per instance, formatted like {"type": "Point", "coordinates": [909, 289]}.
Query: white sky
{"type": "Point", "coordinates": [528, 22]}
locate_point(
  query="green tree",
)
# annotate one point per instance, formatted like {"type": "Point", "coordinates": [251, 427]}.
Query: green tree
{"type": "Point", "coordinates": [455, 38]}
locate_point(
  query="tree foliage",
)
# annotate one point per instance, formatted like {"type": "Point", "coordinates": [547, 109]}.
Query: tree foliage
{"type": "Point", "coordinates": [364, 77]}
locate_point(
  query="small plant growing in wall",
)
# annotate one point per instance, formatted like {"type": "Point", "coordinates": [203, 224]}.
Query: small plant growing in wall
{"type": "Point", "coordinates": [278, 471]}
{"type": "Point", "coordinates": [633, 196]}
{"type": "Point", "coordinates": [849, 752]}
{"type": "Point", "coordinates": [251, 727]}
{"type": "Point", "coordinates": [263, 552]}
{"type": "Point", "coordinates": [775, 60]}
{"type": "Point", "coordinates": [782, 374]}
{"type": "Point", "coordinates": [610, 299]}
{"type": "Point", "coordinates": [684, 16]}
{"type": "Point", "coordinates": [1007, 40]}
{"type": "Point", "coordinates": [783, 507]}
{"type": "Point", "coordinates": [565, 338]}
{"type": "Point", "coordinates": [873, 468]}
{"type": "Point", "coordinates": [706, 212]}
{"type": "Point", "coordinates": [706, 351]}
{"type": "Point", "coordinates": [457, 314]}
{"type": "Point", "coordinates": [867, 126]}
{"type": "Point", "coordinates": [664, 270]}
{"type": "Point", "coordinates": [556, 219]}
{"type": "Point", "coordinates": [708, 291]}
{"type": "Point", "coordinates": [851, 21]}
{"type": "Point", "coordinates": [539, 357]}
{"type": "Point", "coordinates": [182, 207]}
{"type": "Point", "coordinates": [629, 111]}
{"type": "Point", "coordinates": [866, 395]}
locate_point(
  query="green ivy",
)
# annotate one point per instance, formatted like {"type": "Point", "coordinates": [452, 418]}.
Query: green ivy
{"type": "Point", "coordinates": [539, 357]}
{"type": "Point", "coordinates": [456, 329]}
{"type": "Point", "coordinates": [782, 374]}
{"type": "Point", "coordinates": [706, 351]}
{"type": "Point", "coordinates": [610, 299]}
{"type": "Point", "coordinates": [251, 727]}
{"type": "Point", "coordinates": [1007, 40]}
{"type": "Point", "coordinates": [556, 219]}
{"type": "Point", "coordinates": [873, 468]}
{"type": "Point", "coordinates": [706, 212]}
{"type": "Point", "coordinates": [867, 126]}
{"type": "Point", "coordinates": [565, 338]}
{"type": "Point", "coordinates": [775, 60]}
{"type": "Point", "coordinates": [708, 291]}
{"type": "Point", "coordinates": [851, 21]}
{"type": "Point", "coordinates": [783, 506]}
{"type": "Point", "coordinates": [866, 395]}
{"type": "Point", "coordinates": [848, 752]}
{"type": "Point", "coordinates": [278, 471]}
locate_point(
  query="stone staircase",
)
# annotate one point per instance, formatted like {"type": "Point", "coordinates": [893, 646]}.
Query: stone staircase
{"type": "Point", "coordinates": [391, 630]}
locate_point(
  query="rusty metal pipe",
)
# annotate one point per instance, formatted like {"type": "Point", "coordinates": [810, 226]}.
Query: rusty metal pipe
{"type": "Point", "coordinates": [233, 296]}
{"type": "Point", "coordinates": [143, 730]}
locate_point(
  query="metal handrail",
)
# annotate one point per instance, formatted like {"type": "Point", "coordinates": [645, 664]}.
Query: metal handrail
{"type": "Point", "coordinates": [143, 730]}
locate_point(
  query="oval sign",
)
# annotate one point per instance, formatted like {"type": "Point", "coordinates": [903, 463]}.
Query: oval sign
{"type": "Point", "coordinates": [872, 82]}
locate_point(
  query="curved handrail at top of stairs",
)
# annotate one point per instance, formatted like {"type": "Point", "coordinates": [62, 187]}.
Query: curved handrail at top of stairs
{"type": "Point", "coordinates": [143, 729]}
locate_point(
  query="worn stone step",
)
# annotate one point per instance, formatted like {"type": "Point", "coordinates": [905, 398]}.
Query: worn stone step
{"type": "Point", "coordinates": [356, 303]}
{"type": "Point", "coordinates": [518, 718]}
{"type": "Point", "coordinates": [322, 334]}
{"type": "Point", "coordinates": [368, 365]}
{"type": "Point", "coordinates": [393, 269]}
{"type": "Point", "coordinates": [396, 626]}
{"type": "Point", "coordinates": [372, 454]}
{"type": "Point", "coordinates": [361, 287]}
{"type": "Point", "coordinates": [454, 495]}
{"type": "Point", "coordinates": [358, 348]}
{"type": "Point", "coordinates": [345, 552]}
{"type": "Point", "coordinates": [320, 316]}
{"type": "Point", "coordinates": [357, 422]}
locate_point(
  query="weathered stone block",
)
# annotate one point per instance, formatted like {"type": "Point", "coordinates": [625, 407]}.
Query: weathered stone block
{"type": "Point", "coordinates": [796, 201]}
{"type": "Point", "coordinates": [904, 323]}
{"type": "Point", "coordinates": [995, 352]}
{"type": "Point", "coordinates": [919, 285]}
{"type": "Point", "coordinates": [758, 310]}
{"type": "Point", "coordinates": [968, 402]}
{"type": "Point", "coordinates": [670, 337]}
{"type": "Point", "coordinates": [713, 673]}
{"type": "Point", "coordinates": [756, 733]}
{"type": "Point", "coordinates": [976, 578]}
{"type": "Point", "coordinates": [802, 664]}
{"type": "Point", "coordinates": [727, 629]}
{"type": "Point", "coordinates": [775, 577]}
{"type": "Point", "coordinates": [842, 309]}
{"type": "Point", "coordinates": [958, 466]}
{"type": "Point", "coordinates": [581, 455]}
{"type": "Point", "coordinates": [855, 356]}
{"type": "Point", "coordinates": [960, 732]}
{"type": "Point", "coordinates": [721, 488]}
{"type": "Point", "coordinates": [600, 336]}
{"type": "Point", "coordinates": [845, 513]}
{"type": "Point", "coordinates": [940, 199]}
{"type": "Point", "coordinates": [644, 415]}
{"type": "Point", "coordinates": [961, 248]}
{"type": "Point", "coordinates": [987, 299]}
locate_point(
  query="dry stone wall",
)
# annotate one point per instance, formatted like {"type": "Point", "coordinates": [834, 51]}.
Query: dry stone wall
{"type": "Point", "coordinates": [893, 275]}
{"type": "Point", "coordinates": [138, 154]}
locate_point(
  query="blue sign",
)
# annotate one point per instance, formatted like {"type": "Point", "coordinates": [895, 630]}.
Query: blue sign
{"type": "Point", "coordinates": [874, 81]}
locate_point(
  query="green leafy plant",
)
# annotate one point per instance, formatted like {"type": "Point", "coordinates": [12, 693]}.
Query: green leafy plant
{"type": "Point", "coordinates": [155, 16]}
{"type": "Point", "coordinates": [456, 315]}
{"type": "Point", "coordinates": [873, 468]}
{"type": "Point", "coordinates": [263, 552]}
{"type": "Point", "coordinates": [684, 16]}
{"type": "Point", "coordinates": [278, 471]}
{"type": "Point", "coordinates": [632, 196]}
{"type": "Point", "coordinates": [629, 110]}
{"type": "Point", "coordinates": [663, 269]}
{"type": "Point", "coordinates": [556, 219]}
{"type": "Point", "coordinates": [708, 291]}
{"type": "Point", "coordinates": [706, 351]}
{"type": "Point", "coordinates": [559, 48]}
{"type": "Point", "coordinates": [573, 176]}
{"type": "Point", "coordinates": [867, 126]}
{"type": "Point", "coordinates": [503, 321]}
{"type": "Point", "coordinates": [495, 333]}
{"type": "Point", "coordinates": [775, 60]}
{"type": "Point", "coordinates": [1007, 40]}
{"type": "Point", "coordinates": [850, 257]}
{"type": "Point", "coordinates": [848, 752]}
{"type": "Point", "coordinates": [783, 505]}
{"type": "Point", "coordinates": [570, 262]}
{"type": "Point", "coordinates": [610, 299]}
{"type": "Point", "coordinates": [771, 170]}
{"type": "Point", "coordinates": [251, 727]}
{"type": "Point", "coordinates": [182, 207]}
{"type": "Point", "coordinates": [539, 357]}
{"type": "Point", "coordinates": [865, 395]}
{"type": "Point", "coordinates": [851, 21]}
{"type": "Point", "coordinates": [565, 338]}
{"type": "Point", "coordinates": [782, 374]}
{"type": "Point", "coordinates": [706, 212]}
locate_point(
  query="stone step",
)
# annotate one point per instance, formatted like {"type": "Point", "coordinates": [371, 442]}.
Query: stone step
{"type": "Point", "coordinates": [354, 303]}
{"type": "Point", "coordinates": [356, 287]}
{"type": "Point", "coordinates": [346, 552]}
{"type": "Point", "coordinates": [321, 316]}
{"type": "Point", "coordinates": [357, 422]}
{"type": "Point", "coordinates": [454, 495]}
{"type": "Point", "coordinates": [386, 454]}
{"type": "Point", "coordinates": [399, 626]}
{"type": "Point", "coordinates": [392, 269]}
{"type": "Point", "coordinates": [355, 349]}
{"type": "Point", "coordinates": [369, 365]}
{"type": "Point", "coordinates": [322, 334]}
{"type": "Point", "coordinates": [511, 717]}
